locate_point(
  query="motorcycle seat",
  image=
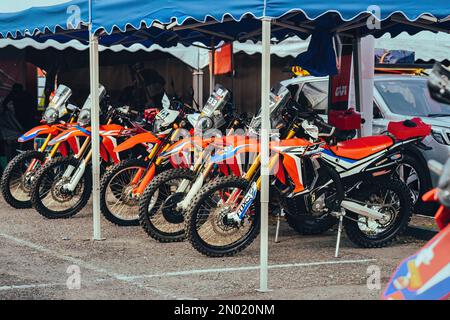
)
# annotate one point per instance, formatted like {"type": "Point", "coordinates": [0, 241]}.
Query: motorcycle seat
{"type": "Point", "coordinates": [360, 148]}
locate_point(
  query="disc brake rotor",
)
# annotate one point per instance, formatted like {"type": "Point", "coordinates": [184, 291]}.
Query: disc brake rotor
{"type": "Point", "coordinates": [60, 194]}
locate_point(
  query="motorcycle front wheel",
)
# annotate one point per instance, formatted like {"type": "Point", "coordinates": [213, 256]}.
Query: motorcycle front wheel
{"type": "Point", "coordinates": [48, 193]}
{"type": "Point", "coordinates": [207, 227]}
{"type": "Point", "coordinates": [118, 204]}
{"type": "Point", "coordinates": [393, 198]}
{"type": "Point", "coordinates": [17, 178]}
{"type": "Point", "coordinates": [158, 212]}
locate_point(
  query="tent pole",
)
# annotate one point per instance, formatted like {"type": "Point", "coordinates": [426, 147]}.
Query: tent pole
{"type": "Point", "coordinates": [265, 129]}
{"type": "Point", "coordinates": [363, 67]}
{"type": "Point", "coordinates": [95, 128]}
{"type": "Point", "coordinates": [212, 68]}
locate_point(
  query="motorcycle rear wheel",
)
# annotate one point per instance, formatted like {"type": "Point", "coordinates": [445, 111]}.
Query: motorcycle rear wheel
{"type": "Point", "coordinates": [394, 198]}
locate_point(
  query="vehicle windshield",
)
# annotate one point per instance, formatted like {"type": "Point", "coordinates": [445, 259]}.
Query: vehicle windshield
{"type": "Point", "coordinates": [411, 97]}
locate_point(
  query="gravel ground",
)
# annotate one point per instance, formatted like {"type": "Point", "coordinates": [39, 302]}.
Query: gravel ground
{"type": "Point", "coordinates": [36, 254]}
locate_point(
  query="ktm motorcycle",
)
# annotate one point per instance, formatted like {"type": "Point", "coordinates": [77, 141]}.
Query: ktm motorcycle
{"type": "Point", "coordinates": [161, 207]}
{"type": "Point", "coordinates": [223, 218]}
{"type": "Point", "coordinates": [123, 183]}
{"type": "Point", "coordinates": [18, 175]}
{"type": "Point", "coordinates": [426, 274]}
{"type": "Point", "coordinates": [63, 186]}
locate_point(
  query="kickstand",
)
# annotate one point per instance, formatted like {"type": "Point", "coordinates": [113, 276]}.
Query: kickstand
{"type": "Point", "coordinates": [277, 230]}
{"type": "Point", "coordinates": [338, 240]}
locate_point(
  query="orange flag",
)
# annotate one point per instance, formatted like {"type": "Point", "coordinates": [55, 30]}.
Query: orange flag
{"type": "Point", "coordinates": [223, 59]}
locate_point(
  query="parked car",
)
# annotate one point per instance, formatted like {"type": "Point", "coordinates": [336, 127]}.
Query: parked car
{"type": "Point", "coordinates": [396, 98]}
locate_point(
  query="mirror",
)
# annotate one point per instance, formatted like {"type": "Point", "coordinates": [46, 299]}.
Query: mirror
{"type": "Point", "coordinates": [439, 83]}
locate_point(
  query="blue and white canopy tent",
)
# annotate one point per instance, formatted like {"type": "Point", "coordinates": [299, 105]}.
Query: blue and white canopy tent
{"type": "Point", "coordinates": [170, 22]}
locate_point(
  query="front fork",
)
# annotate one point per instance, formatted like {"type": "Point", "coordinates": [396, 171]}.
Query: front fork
{"type": "Point", "coordinates": [196, 186]}
{"type": "Point", "coordinates": [80, 169]}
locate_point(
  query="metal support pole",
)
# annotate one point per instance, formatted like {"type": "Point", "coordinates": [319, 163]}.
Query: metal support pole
{"type": "Point", "coordinates": [95, 128]}
{"type": "Point", "coordinates": [212, 76]}
{"type": "Point", "coordinates": [265, 130]}
{"type": "Point", "coordinates": [197, 80]}
{"type": "Point", "coordinates": [363, 67]}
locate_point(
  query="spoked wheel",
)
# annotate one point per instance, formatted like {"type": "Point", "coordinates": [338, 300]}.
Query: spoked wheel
{"type": "Point", "coordinates": [208, 227]}
{"type": "Point", "coordinates": [50, 195]}
{"type": "Point", "coordinates": [18, 176]}
{"type": "Point", "coordinates": [118, 202]}
{"type": "Point", "coordinates": [391, 198]}
{"type": "Point", "coordinates": [158, 212]}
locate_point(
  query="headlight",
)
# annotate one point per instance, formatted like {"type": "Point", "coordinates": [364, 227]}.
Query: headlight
{"type": "Point", "coordinates": [157, 125]}
{"type": "Point", "coordinates": [204, 123]}
{"type": "Point", "coordinates": [50, 115]}
{"type": "Point", "coordinates": [85, 117]}
{"type": "Point", "coordinates": [438, 137]}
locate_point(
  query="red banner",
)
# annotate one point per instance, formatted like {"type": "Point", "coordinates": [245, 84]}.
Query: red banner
{"type": "Point", "coordinates": [340, 83]}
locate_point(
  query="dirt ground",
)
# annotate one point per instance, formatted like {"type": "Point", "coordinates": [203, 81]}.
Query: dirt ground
{"type": "Point", "coordinates": [40, 257]}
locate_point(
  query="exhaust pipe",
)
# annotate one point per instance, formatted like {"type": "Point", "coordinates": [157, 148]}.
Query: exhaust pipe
{"type": "Point", "coordinates": [362, 210]}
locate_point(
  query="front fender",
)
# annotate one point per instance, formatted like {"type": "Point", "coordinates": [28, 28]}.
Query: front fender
{"type": "Point", "coordinates": [37, 131]}
{"type": "Point", "coordinates": [68, 134]}
{"type": "Point", "coordinates": [146, 137]}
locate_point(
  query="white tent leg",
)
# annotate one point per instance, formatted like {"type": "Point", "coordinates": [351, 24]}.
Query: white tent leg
{"type": "Point", "coordinates": [95, 128]}
{"type": "Point", "coordinates": [197, 81]}
{"type": "Point", "coordinates": [365, 50]}
{"type": "Point", "coordinates": [265, 129]}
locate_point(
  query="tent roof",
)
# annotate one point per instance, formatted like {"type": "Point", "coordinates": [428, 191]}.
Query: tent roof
{"type": "Point", "coordinates": [126, 21]}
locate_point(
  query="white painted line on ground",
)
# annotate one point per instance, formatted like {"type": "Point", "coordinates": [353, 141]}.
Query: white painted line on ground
{"type": "Point", "coordinates": [85, 265]}
{"type": "Point", "coordinates": [246, 268]}
{"type": "Point", "coordinates": [30, 286]}
{"type": "Point", "coordinates": [132, 279]}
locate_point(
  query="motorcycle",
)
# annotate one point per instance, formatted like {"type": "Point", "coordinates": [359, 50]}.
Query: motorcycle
{"type": "Point", "coordinates": [162, 205]}
{"type": "Point", "coordinates": [18, 175]}
{"type": "Point", "coordinates": [426, 274]}
{"type": "Point", "coordinates": [63, 186]}
{"type": "Point", "coordinates": [223, 218]}
{"type": "Point", "coordinates": [122, 184]}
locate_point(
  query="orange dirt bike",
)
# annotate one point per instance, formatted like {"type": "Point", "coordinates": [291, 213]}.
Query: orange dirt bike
{"type": "Point", "coordinates": [223, 218]}
{"type": "Point", "coordinates": [18, 175]}
{"type": "Point", "coordinates": [63, 186]}
{"type": "Point", "coordinates": [123, 184]}
{"type": "Point", "coordinates": [161, 206]}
